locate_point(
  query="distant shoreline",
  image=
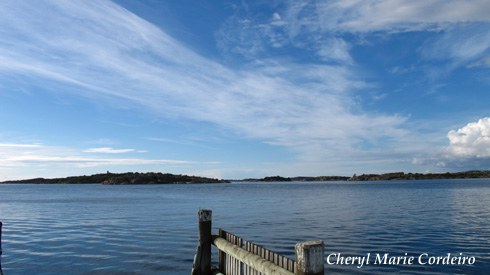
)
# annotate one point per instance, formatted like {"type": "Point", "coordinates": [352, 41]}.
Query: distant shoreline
{"type": "Point", "coordinates": [379, 177]}
{"type": "Point", "coordinates": [160, 178]}
{"type": "Point", "coordinates": [417, 176]}
{"type": "Point", "coordinates": [122, 179]}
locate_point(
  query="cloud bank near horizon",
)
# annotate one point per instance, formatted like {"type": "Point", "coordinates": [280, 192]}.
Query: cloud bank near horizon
{"type": "Point", "coordinates": [15, 155]}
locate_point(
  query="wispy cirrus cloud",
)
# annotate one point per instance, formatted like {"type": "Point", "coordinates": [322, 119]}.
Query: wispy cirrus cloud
{"type": "Point", "coordinates": [321, 23]}
{"type": "Point", "coordinates": [460, 30]}
{"type": "Point", "coordinates": [100, 50]}
{"type": "Point", "coordinates": [109, 150]}
{"type": "Point", "coordinates": [17, 145]}
{"type": "Point", "coordinates": [400, 15]}
{"type": "Point", "coordinates": [37, 155]}
{"type": "Point", "coordinates": [462, 45]}
{"type": "Point", "coordinates": [484, 62]}
{"type": "Point", "coordinates": [74, 161]}
{"type": "Point", "coordinates": [461, 26]}
{"type": "Point", "coordinates": [460, 37]}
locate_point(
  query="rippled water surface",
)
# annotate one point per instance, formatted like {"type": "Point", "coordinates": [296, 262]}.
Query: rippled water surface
{"type": "Point", "coordinates": [129, 229]}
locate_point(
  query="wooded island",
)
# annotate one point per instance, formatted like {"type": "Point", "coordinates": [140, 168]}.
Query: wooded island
{"type": "Point", "coordinates": [125, 178]}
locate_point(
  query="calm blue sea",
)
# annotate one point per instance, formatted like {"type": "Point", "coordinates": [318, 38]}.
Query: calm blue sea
{"type": "Point", "coordinates": [129, 229]}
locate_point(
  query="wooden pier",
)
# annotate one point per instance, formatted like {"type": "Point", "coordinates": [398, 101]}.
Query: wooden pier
{"type": "Point", "coordinates": [240, 257]}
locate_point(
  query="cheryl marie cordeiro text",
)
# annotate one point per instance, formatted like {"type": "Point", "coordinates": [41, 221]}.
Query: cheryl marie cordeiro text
{"type": "Point", "coordinates": [387, 259]}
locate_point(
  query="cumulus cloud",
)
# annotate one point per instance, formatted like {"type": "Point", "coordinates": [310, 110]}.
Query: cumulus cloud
{"type": "Point", "coordinates": [471, 141]}
{"type": "Point", "coordinates": [469, 149]}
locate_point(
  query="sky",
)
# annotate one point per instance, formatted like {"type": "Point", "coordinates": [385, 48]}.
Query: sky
{"type": "Point", "coordinates": [243, 89]}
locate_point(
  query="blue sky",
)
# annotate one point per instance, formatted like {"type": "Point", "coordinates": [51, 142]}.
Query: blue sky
{"type": "Point", "coordinates": [237, 89]}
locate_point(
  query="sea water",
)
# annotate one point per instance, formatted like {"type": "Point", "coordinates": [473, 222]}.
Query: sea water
{"type": "Point", "coordinates": [152, 229]}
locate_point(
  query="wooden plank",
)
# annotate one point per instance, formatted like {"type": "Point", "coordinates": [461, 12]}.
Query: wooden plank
{"type": "Point", "coordinates": [249, 258]}
{"type": "Point", "coordinates": [269, 255]}
{"type": "Point", "coordinates": [234, 266]}
{"type": "Point", "coordinates": [239, 263]}
{"type": "Point", "coordinates": [221, 255]}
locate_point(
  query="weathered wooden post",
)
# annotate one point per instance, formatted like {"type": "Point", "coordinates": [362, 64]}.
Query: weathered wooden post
{"type": "Point", "coordinates": [309, 257]}
{"type": "Point", "coordinates": [205, 217]}
{"type": "Point", "coordinates": [1, 242]}
{"type": "Point", "coordinates": [1, 272]}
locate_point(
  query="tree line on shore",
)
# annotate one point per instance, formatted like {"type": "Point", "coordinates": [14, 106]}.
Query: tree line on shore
{"type": "Point", "coordinates": [124, 178]}
{"type": "Point", "coordinates": [419, 176]}
{"type": "Point", "coordinates": [161, 178]}
{"type": "Point", "coordinates": [386, 176]}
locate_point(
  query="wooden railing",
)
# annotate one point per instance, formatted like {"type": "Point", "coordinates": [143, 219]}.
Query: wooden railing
{"type": "Point", "coordinates": [231, 265]}
{"type": "Point", "coordinates": [240, 257]}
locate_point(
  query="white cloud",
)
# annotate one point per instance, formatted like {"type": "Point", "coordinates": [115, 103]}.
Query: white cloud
{"type": "Point", "coordinates": [335, 49]}
{"type": "Point", "coordinates": [465, 24]}
{"type": "Point", "coordinates": [15, 145]}
{"type": "Point", "coordinates": [296, 26]}
{"type": "Point", "coordinates": [471, 141]}
{"type": "Point", "coordinates": [74, 161]}
{"type": "Point", "coordinates": [468, 43]}
{"type": "Point", "coordinates": [469, 149]}
{"type": "Point", "coordinates": [21, 161]}
{"type": "Point", "coordinates": [400, 15]}
{"type": "Point", "coordinates": [319, 26]}
{"type": "Point", "coordinates": [276, 19]}
{"type": "Point", "coordinates": [108, 150]}
{"type": "Point", "coordinates": [34, 155]}
{"type": "Point", "coordinates": [100, 50]}
{"type": "Point", "coordinates": [484, 62]}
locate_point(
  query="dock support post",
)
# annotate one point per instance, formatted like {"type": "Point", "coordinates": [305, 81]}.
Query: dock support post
{"type": "Point", "coordinates": [1, 272]}
{"type": "Point", "coordinates": [309, 257]}
{"type": "Point", "coordinates": [205, 217]}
